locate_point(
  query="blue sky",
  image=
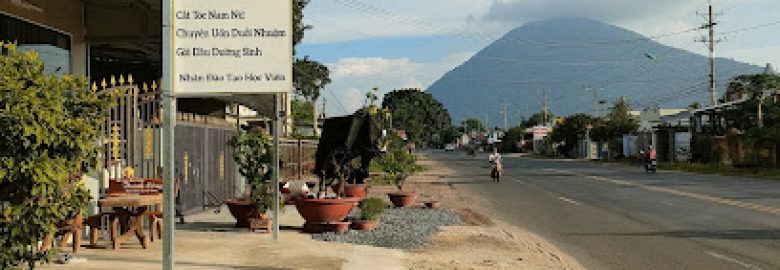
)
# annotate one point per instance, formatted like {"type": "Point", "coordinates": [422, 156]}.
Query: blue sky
{"type": "Point", "coordinates": [394, 44]}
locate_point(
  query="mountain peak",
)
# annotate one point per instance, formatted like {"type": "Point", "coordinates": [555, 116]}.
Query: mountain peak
{"type": "Point", "coordinates": [566, 55]}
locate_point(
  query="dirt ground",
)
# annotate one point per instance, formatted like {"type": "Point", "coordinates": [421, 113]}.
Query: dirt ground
{"type": "Point", "coordinates": [209, 242]}
{"type": "Point", "coordinates": [482, 243]}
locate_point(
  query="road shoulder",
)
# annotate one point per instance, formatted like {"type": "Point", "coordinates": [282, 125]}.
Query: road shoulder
{"type": "Point", "coordinates": [483, 242]}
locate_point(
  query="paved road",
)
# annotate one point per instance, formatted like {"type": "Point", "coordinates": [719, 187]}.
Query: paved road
{"type": "Point", "coordinates": [618, 217]}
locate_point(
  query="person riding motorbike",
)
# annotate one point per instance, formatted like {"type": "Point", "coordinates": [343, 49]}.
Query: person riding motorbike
{"type": "Point", "coordinates": [650, 159]}
{"type": "Point", "coordinates": [496, 166]}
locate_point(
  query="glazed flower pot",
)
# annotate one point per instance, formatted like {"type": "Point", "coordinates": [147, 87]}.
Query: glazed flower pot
{"type": "Point", "coordinates": [403, 198]}
{"type": "Point", "coordinates": [364, 225]}
{"type": "Point", "coordinates": [324, 210]}
{"type": "Point", "coordinates": [358, 191]}
{"type": "Point", "coordinates": [326, 227]}
{"type": "Point", "coordinates": [340, 226]}
{"type": "Point", "coordinates": [242, 211]}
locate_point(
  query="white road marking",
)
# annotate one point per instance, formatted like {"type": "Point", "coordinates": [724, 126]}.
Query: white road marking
{"type": "Point", "coordinates": [699, 196]}
{"type": "Point", "coordinates": [568, 200]}
{"type": "Point", "coordinates": [732, 260]}
{"type": "Point", "coordinates": [519, 181]}
{"type": "Point", "coordinates": [667, 203]}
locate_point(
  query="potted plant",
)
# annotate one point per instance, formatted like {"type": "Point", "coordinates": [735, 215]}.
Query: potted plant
{"type": "Point", "coordinates": [399, 164]}
{"type": "Point", "coordinates": [370, 210]}
{"type": "Point", "coordinates": [356, 186]}
{"type": "Point", "coordinates": [343, 140]}
{"type": "Point", "coordinates": [252, 154]}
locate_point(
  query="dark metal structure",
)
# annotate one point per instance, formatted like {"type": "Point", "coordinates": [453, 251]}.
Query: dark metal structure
{"type": "Point", "coordinates": [343, 140]}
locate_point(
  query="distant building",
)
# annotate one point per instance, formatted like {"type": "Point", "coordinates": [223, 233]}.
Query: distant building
{"type": "Point", "coordinates": [651, 116]}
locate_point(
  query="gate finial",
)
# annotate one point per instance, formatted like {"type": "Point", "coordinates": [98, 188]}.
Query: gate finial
{"type": "Point", "coordinates": [121, 79]}
{"type": "Point", "coordinates": [130, 78]}
{"type": "Point", "coordinates": [113, 81]}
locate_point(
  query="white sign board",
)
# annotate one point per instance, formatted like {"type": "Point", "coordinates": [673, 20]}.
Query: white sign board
{"type": "Point", "coordinates": [232, 47]}
{"type": "Point", "coordinates": [540, 133]}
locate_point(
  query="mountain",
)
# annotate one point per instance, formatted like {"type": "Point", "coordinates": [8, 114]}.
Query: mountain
{"type": "Point", "coordinates": [567, 55]}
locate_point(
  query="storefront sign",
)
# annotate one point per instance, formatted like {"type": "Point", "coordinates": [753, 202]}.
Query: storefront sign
{"type": "Point", "coordinates": [232, 47]}
{"type": "Point", "coordinates": [540, 133]}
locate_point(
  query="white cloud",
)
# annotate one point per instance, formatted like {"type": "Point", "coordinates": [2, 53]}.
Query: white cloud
{"type": "Point", "coordinates": [344, 20]}
{"type": "Point", "coordinates": [359, 67]}
{"type": "Point", "coordinates": [353, 77]}
{"type": "Point", "coordinates": [760, 56]}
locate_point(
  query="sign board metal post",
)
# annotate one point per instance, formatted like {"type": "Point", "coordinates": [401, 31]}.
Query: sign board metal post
{"type": "Point", "coordinates": [169, 122]}
{"type": "Point", "coordinates": [277, 119]}
{"type": "Point", "coordinates": [218, 48]}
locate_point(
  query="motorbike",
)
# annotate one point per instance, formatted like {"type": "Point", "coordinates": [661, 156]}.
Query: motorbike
{"type": "Point", "coordinates": [650, 165]}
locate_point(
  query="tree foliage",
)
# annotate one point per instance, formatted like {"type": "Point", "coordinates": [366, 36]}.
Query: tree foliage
{"type": "Point", "coordinates": [309, 76]}
{"type": "Point", "coordinates": [418, 113]}
{"type": "Point", "coordinates": [301, 110]}
{"type": "Point", "coordinates": [572, 129]}
{"type": "Point", "coordinates": [49, 128]}
{"type": "Point", "coordinates": [535, 119]}
{"type": "Point", "coordinates": [744, 117]}
{"type": "Point", "coordinates": [299, 28]}
{"type": "Point", "coordinates": [473, 124]}
{"type": "Point", "coordinates": [449, 135]}
{"type": "Point", "coordinates": [397, 161]}
{"type": "Point", "coordinates": [511, 139]}
{"type": "Point", "coordinates": [252, 153]}
{"type": "Point", "coordinates": [618, 122]}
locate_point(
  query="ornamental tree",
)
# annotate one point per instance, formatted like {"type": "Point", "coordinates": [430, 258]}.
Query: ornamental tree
{"type": "Point", "coordinates": [48, 131]}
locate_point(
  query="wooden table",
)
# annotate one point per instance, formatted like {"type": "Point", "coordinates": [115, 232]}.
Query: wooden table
{"type": "Point", "coordinates": [130, 211]}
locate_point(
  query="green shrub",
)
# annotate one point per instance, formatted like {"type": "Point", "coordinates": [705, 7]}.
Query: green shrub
{"type": "Point", "coordinates": [371, 208]}
{"type": "Point", "coordinates": [382, 180]}
{"type": "Point", "coordinates": [50, 129]}
{"type": "Point", "coordinates": [252, 153]}
{"type": "Point", "coordinates": [397, 161]}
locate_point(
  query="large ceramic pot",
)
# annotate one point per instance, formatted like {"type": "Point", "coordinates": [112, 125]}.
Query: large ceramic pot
{"type": "Point", "coordinates": [358, 191]}
{"type": "Point", "coordinates": [242, 211]}
{"type": "Point", "coordinates": [364, 225]}
{"type": "Point", "coordinates": [325, 210]}
{"type": "Point", "coordinates": [403, 198]}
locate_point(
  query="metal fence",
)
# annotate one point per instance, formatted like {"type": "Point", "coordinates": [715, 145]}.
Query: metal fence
{"type": "Point", "coordinates": [204, 161]}
{"type": "Point", "coordinates": [297, 158]}
{"type": "Point", "coordinates": [132, 127]}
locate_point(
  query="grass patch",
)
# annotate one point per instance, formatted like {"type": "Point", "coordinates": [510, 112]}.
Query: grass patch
{"type": "Point", "coordinates": [714, 169]}
{"type": "Point", "coordinates": [762, 173]}
{"type": "Point", "coordinates": [382, 180]}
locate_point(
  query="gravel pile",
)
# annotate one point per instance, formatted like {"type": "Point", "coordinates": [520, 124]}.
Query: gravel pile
{"type": "Point", "coordinates": [400, 228]}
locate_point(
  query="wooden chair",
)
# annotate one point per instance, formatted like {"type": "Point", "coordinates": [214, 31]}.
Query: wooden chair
{"type": "Point", "coordinates": [155, 217]}
{"type": "Point", "coordinates": [95, 223]}
{"type": "Point", "coordinates": [68, 228]}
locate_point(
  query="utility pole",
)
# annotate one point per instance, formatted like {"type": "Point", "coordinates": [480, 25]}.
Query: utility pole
{"type": "Point", "coordinates": [545, 109]}
{"type": "Point", "coordinates": [323, 114]}
{"type": "Point", "coordinates": [506, 119]}
{"type": "Point", "coordinates": [711, 41]}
